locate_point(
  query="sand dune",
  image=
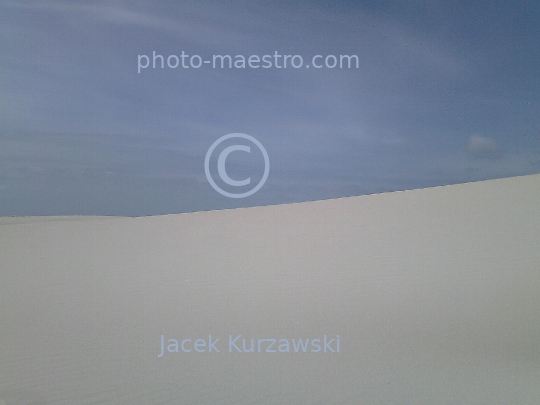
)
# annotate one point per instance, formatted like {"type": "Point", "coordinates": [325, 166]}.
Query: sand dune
{"type": "Point", "coordinates": [434, 294]}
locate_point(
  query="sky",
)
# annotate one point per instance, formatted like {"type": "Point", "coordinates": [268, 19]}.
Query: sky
{"type": "Point", "coordinates": [445, 92]}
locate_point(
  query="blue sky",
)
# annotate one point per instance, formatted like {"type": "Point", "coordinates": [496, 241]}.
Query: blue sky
{"type": "Point", "coordinates": [446, 92]}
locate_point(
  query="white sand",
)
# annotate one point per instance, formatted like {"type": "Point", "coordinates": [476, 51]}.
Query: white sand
{"type": "Point", "coordinates": [435, 294]}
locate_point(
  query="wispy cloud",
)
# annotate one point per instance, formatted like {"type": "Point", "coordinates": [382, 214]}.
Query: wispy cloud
{"type": "Point", "coordinates": [483, 147]}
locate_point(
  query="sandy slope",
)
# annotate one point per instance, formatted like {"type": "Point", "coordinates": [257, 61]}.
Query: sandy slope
{"type": "Point", "coordinates": [434, 294]}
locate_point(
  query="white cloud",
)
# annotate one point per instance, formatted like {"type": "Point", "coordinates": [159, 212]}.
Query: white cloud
{"type": "Point", "coordinates": [483, 147]}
